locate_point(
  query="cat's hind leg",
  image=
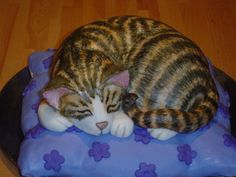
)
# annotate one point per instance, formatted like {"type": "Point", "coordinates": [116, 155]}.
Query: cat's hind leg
{"type": "Point", "coordinates": [52, 119]}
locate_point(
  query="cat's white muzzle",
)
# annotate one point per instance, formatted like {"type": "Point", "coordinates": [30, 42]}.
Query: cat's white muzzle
{"type": "Point", "coordinates": [90, 125]}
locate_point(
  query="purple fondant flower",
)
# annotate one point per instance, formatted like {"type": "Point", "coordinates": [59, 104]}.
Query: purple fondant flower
{"type": "Point", "coordinates": [29, 87]}
{"type": "Point", "coordinates": [36, 131]}
{"type": "Point", "coordinates": [142, 135]}
{"type": "Point", "coordinates": [35, 107]}
{"type": "Point", "coordinates": [186, 154]}
{"type": "Point", "coordinates": [53, 161]}
{"type": "Point", "coordinates": [99, 151]}
{"type": "Point", "coordinates": [229, 141]}
{"type": "Point", "coordinates": [47, 62]}
{"type": "Point", "coordinates": [146, 170]}
{"type": "Point", "coordinates": [224, 110]}
{"type": "Point", "coordinates": [73, 129]}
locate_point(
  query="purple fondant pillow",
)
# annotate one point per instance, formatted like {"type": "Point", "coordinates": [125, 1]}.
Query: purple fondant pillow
{"type": "Point", "coordinates": [210, 151]}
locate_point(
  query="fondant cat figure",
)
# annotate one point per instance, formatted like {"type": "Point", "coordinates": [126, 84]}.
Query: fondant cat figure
{"type": "Point", "coordinates": [112, 73]}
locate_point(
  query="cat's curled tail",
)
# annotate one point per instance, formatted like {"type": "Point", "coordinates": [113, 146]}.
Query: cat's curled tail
{"type": "Point", "coordinates": [173, 119]}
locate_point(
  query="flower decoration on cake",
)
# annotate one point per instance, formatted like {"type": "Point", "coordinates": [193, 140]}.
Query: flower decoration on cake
{"type": "Point", "coordinates": [142, 135]}
{"type": "Point", "coordinates": [186, 154]}
{"type": "Point", "coordinates": [146, 170]}
{"type": "Point", "coordinates": [229, 141]}
{"type": "Point", "coordinates": [47, 62]}
{"type": "Point", "coordinates": [36, 131]}
{"type": "Point", "coordinates": [35, 107]}
{"type": "Point", "coordinates": [29, 87]}
{"type": "Point", "coordinates": [99, 151]}
{"type": "Point", "coordinates": [53, 161]}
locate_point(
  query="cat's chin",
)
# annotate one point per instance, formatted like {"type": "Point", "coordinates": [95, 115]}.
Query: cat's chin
{"type": "Point", "coordinates": [97, 133]}
{"type": "Point", "coordinates": [105, 131]}
{"type": "Point", "coordinates": [89, 130]}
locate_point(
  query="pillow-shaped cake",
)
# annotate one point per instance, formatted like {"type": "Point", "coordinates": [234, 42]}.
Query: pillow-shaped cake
{"type": "Point", "coordinates": [210, 151]}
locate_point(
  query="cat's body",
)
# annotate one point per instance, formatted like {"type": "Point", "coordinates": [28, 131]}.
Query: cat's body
{"type": "Point", "coordinates": [106, 61]}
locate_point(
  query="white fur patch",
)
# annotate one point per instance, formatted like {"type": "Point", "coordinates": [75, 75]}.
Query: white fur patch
{"type": "Point", "coordinates": [88, 124]}
{"type": "Point", "coordinates": [99, 111]}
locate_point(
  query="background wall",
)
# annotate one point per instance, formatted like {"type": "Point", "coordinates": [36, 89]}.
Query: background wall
{"type": "Point", "coordinates": [31, 25]}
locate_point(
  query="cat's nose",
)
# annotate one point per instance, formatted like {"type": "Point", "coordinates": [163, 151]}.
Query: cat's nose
{"type": "Point", "coordinates": [102, 125]}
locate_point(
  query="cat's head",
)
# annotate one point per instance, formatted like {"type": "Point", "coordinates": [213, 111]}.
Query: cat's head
{"type": "Point", "coordinates": [92, 114]}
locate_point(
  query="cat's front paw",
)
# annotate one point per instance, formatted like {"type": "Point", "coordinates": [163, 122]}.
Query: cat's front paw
{"type": "Point", "coordinates": [122, 125]}
{"type": "Point", "coordinates": [161, 133]}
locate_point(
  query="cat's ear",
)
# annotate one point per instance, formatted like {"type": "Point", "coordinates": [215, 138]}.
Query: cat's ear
{"type": "Point", "coordinates": [53, 95]}
{"type": "Point", "coordinates": [121, 79]}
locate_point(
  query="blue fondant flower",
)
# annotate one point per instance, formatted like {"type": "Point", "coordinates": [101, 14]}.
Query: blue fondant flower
{"type": "Point", "coordinates": [146, 170]}
{"type": "Point", "coordinates": [47, 62]}
{"type": "Point", "coordinates": [99, 151]}
{"type": "Point", "coordinates": [142, 135]}
{"type": "Point", "coordinates": [186, 154]}
{"type": "Point", "coordinates": [229, 141]}
{"type": "Point", "coordinates": [73, 129]}
{"type": "Point", "coordinates": [29, 87]}
{"type": "Point", "coordinates": [36, 131]}
{"type": "Point", "coordinates": [53, 161]}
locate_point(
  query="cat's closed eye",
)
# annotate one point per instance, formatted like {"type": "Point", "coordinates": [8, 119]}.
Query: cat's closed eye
{"type": "Point", "coordinates": [84, 111]}
{"type": "Point", "coordinates": [78, 114]}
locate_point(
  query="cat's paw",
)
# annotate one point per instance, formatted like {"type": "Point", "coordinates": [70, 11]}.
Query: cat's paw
{"type": "Point", "coordinates": [122, 125]}
{"type": "Point", "coordinates": [161, 133]}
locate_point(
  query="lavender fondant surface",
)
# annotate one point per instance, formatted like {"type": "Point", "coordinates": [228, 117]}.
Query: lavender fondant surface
{"type": "Point", "coordinates": [210, 151]}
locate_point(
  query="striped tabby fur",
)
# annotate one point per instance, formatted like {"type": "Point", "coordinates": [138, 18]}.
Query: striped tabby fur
{"type": "Point", "coordinates": [170, 85]}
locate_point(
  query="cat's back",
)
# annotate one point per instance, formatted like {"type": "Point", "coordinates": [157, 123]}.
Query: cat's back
{"type": "Point", "coordinates": [115, 36]}
{"type": "Point", "coordinates": [167, 69]}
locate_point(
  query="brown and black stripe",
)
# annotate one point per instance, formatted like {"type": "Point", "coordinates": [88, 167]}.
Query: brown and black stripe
{"type": "Point", "coordinates": [168, 72]}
